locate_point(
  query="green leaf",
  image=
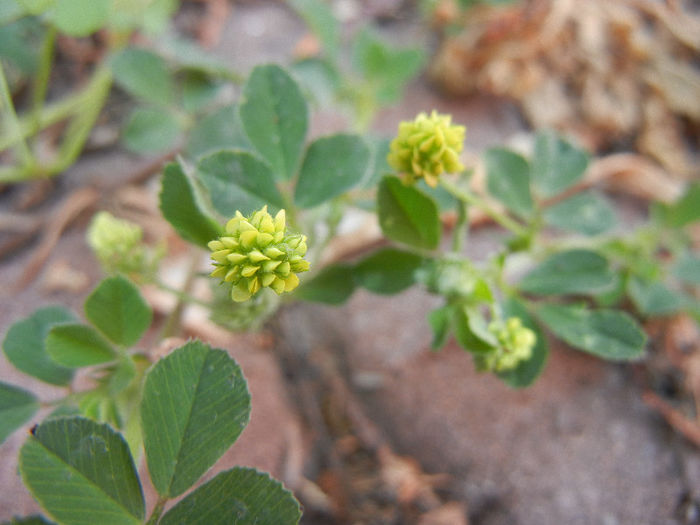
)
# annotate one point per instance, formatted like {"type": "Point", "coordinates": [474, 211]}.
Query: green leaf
{"type": "Point", "coordinates": [332, 285]}
{"type": "Point", "coordinates": [82, 473]}
{"type": "Point", "coordinates": [440, 320]}
{"type": "Point", "coordinates": [526, 372]}
{"type": "Point", "coordinates": [240, 496]}
{"type": "Point", "coordinates": [117, 309]}
{"type": "Point", "coordinates": [569, 272]}
{"type": "Point", "coordinates": [587, 213]}
{"type": "Point", "coordinates": [379, 148]}
{"type": "Point", "coordinates": [195, 405]}
{"type": "Point", "coordinates": [387, 271]}
{"type": "Point", "coordinates": [685, 210]}
{"type": "Point", "coordinates": [556, 164]}
{"type": "Point", "coordinates": [406, 215]}
{"type": "Point", "coordinates": [29, 520]}
{"type": "Point", "coordinates": [220, 130]}
{"type": "Point", "coordinates": [150, 129]}
{"type": "Point", "coordinates": [36, 7]}
{"type": "Point", "coordinates": [471, 330]}
{"type": "Point", "coordinates": [79, 17]}
{"type": "Point", "coordinates": [76, 345]}
{"type": "Point", "coordinates": [609, 334]}
{"type": "Point", "coordinates": [653, 298]}
{"type": "Point", "coordinates": [17, 406]}
{"type": "Point", "coordinates": [198, 90]}
{"type": "Point", "coordinates": [24, 345]}
{"type": "Point", "coordinates": [319, 17]}
{"type": "Point", "coordinates": [275, 117]}
{"type": "Point", "coordinates": [181, 208]}
{"type": "Point", "coordinates": [238, 181]}
{"type": "Point", "coordinates": [318, 80]}
{"type": "Point", "coordinates": [332, 165]}
{"type": "Point", "coordinates": [143, 75]}
{"type": "Point", "coordinates": [687, 269]}
{"type": "Point", "coordinates": [508, 180]}
{"type": "Point", "coordinates": [384, 68]}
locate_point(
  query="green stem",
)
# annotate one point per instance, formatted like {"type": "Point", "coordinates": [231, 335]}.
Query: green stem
{"type": "Point", "coordinates": [14, 124]}
{"type": "Point", "coordinates": [41, 80]}
{"type": "Point", "coordinates": [460, 229]}
{"type": "Point", "coordinates": [157, 511]}
{"type": "Point", "coordinates": [172, 324]}
{"type": "Point", "coordinates": [474, 200]}
{"type": "Point", "coordinates": [81, 125]}
{"type": "Point", "coordinates": [182, 296]}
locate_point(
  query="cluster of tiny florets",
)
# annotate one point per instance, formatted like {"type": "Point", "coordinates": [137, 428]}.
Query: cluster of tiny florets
{"type": "Point", "coordinates": [515, 346]}
{"type": "Point", "coordinates": [256, 252]}
{"type": "Point", "coordinates": [427, 147]}
{"type": "Point", "coordinates": [118, 245]}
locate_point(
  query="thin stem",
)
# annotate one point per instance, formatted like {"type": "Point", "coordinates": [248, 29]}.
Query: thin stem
{"type": "Point", "coordinates": [172, 324]}
{"type": "Point", "coordinates": [41, 80]}
{"type": "Point", "coordinates": [9, 109]}
{"type": "Point", "coordinates": [470, 198]}
{"type": "Point", "coordinates": [460, 229]}
{"type": "Point", "coordinates": [157, 511]}
{"type": "Point", "coordinates": [182, 296]}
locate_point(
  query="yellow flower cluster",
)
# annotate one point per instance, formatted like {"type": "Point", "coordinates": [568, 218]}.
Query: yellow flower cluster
{"type": "Point", "coordinates": [256, 252]}
{"type": "Point", "coordinates": [427, 147]}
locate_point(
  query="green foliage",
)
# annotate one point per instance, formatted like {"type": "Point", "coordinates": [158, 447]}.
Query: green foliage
{"type": "Point", "coordinates": [25, 346]}
{"type": "Point", "coordinates": [78, 345]}
{"type": "Point", "coordinates": [407, 215]}
{"type": "Point", "coordinates": [17, 406]}
{"type": "Point", "coordinates": [570, 272]}
{"type": "Point", "coordinates": [79, 17]}
{"type": "Point", "coordinates": [275, 118]}
{"type": "Point", "coordinates": [117, 309]}
{"type": "Point", "coordinates": [508, 178]}
{"type": "Point", "coordinates": [556, 164]}
{"type": "Point", "coordinates": [320, 180]}
{"type": "Point", "coordinates": [195, 405]}
{"type": "Point", "coordinates": [219, 130]}
{"type": "Point", "coordinates": [242, 496]}
{"type": "Point", "coordinates": [587, 213]}
{"type": "Point", "coordinates": [609, 334]}
{"type": "Point", "coordinates": [237, 180]}
{"type": "Point", "coordinates": [318, 16]}
{"type": "Point", "coordinates": [150, 129]}
{"type": "Point", "coordinates": [332, 285]}
{"type": "Point", "coordinates": [82, 472]}
{"type": "Point", "coordinates": [144, 75]}
{"type": "Point", "coordinates": [181, 207]}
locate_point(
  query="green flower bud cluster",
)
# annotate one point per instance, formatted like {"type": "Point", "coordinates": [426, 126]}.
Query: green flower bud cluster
{"type": "Point", "coordinates": [118, 246]}
{"type": "Point", "coordinates": [256, 252]}
{"type": "Point", "coordinates": [427, 147]}
{"type": "Point", "coordinates": [515, 345]}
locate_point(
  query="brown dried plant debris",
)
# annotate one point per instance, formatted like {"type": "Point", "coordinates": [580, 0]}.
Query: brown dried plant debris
{"type": "Point", "coordinates": [609, 73]}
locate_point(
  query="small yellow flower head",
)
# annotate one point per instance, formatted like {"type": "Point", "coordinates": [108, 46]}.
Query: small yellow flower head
{"type": "Point", "coordinates": [516, 343]}
{"type": "Point", "coordinates": [427, 147]}
{"type": "Point", "coordinates": [117, 244]}
{"type": "Point", "coordinates": [256, 252]}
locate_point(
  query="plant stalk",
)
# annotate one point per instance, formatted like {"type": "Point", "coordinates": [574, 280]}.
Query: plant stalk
{"type": "Point", "coordinates": [474, 200]}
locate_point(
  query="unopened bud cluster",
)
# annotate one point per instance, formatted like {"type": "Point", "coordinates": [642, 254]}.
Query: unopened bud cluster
{"type": "Point", "coordinates": [515, 345]}
{"type": "Point", "coordinates": [427, 147]}
{"type": "Point", "coordinates": [256, 252]}
{"type": "Point", "coordinates": [118, 245]}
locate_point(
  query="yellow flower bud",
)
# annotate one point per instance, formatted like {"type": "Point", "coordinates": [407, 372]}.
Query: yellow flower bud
{"type": "Point", "coordinates": [257, 252]}
{"type": "Point", "coordinates": [427, 147]}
